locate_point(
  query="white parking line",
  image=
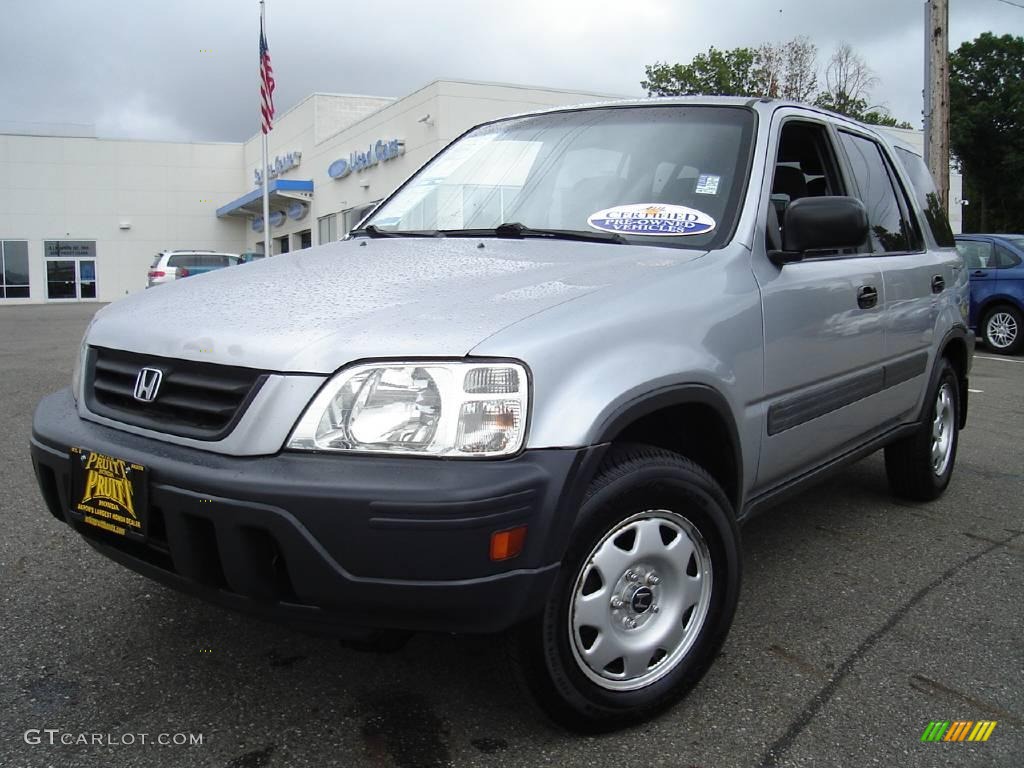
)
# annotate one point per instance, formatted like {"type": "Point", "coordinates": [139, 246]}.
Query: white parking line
{"type": "Point", "coordinates": [1000, 359]}
{"type": "Point", "coordinates": [977, 391]}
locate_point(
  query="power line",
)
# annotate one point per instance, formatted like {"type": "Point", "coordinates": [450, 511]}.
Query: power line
{"type": "Point", "coordinates": [1010, 2]}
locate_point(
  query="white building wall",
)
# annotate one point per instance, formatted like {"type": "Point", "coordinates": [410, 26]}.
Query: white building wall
{"type": "Point", "coordinates": [65, 188]}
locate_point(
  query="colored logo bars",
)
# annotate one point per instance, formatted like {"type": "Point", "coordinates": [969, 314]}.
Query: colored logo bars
{"type": "Point", "coordinates": [958, 730]}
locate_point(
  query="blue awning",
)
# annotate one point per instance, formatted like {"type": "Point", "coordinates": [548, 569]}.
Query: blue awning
{"type": "Point", "coordinates": [282, 193]}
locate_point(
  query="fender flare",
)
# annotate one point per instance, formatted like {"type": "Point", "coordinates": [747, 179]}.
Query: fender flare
{"type": "Point", "coordinates": [645, 400]}
{"type": "Point", "coordinates": [962, 333]}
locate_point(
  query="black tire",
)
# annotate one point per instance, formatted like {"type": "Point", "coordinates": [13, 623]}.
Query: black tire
{"type": "Point", "coordinates": [1012, 323]}
{"type": "Point", "coordinates": [908, 463]}
{"type": "Point", "coordinates": [633, 481]}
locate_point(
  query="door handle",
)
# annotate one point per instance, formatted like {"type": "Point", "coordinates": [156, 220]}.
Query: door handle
{"type": "Point", "coordinates": [938, 284]}
{"type": "Point", "coordinates": [979, 273]}
{"type": "Point", "coordinates": [867, 296]}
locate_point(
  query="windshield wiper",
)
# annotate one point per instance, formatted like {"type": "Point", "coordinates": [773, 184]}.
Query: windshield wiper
{"type": "Point", "coordinates": [516, 229]}
{"type": "Point", "coordinates": [374, 231]}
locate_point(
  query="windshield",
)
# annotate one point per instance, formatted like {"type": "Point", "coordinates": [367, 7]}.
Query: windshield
{"type": "Point", "coordinates": [665, 175]}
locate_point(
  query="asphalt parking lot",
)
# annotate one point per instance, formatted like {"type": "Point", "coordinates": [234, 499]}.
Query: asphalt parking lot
{"type": "Point", "coordinates": [861, 620]}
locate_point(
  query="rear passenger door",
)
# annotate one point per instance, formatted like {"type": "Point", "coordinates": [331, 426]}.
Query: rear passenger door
{"type": "Point", "coordinates": [913, 275]}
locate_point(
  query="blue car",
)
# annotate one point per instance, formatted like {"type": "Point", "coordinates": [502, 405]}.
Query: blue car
{"type": "Point", "coordinates": [996, 265]}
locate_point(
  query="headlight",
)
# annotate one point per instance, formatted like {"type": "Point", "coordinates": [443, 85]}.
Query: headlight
{"type": "Point", "coordinates": [426, 408]}
{"type": "Point", "coordinates": [76, 373]}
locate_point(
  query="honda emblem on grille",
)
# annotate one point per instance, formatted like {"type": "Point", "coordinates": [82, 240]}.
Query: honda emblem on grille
{"type": "Point", "coordinates": [148, 384]}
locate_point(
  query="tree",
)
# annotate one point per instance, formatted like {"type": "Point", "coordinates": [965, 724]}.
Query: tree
{"type": "Point", "coordinates": [848, 85]}
{"type": "Point", "coordinates": [777, 70]}
{"type": "Point", "coordinates": [986, 90]}
{"type": "Point", "coordinates": [787, 71]}
{"type": "Point", "coordinates": [848, 82]}
{"type": "Point", "coordinates": [715, 73]}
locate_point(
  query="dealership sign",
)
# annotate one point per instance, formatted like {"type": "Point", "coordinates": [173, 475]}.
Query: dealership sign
{"type": "Point", "coordinates": [359, 161]}
{"type": "Point", "coordinates": [280, 164]}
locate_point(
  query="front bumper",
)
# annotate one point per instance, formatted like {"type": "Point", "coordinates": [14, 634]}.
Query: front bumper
{"type": "Point", "coordinates": [327, 542]}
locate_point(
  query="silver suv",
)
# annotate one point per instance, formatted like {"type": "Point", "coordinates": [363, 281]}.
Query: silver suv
{"type": "Point", "coordinates": [169, 266]}
{"type": "Point", "coordinates": [539, 389]}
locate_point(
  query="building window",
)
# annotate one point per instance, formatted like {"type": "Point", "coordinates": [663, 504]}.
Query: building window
{"type": "Point", "coordinates": [70, 269]}
{"type": "Point", "coordinates": [303, 239]}
{"type": "Point", "coordinates": [327, 229]}
{"type": "Point", "coordinates": [354, 215]}
{"type": "Point", "coordinates": [13, 269]}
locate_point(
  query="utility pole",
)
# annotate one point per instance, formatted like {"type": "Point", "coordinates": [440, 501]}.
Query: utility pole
{"type": "Point", "coordinates": [936, 94]}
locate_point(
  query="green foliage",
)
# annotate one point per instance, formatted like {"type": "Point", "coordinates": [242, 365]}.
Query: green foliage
{"type": "Point", "coordinates": [986, 91]}
{"type": "Point", "coordinates": [715, 73]}
{"type": "Point", "coordinates": [787, 70]}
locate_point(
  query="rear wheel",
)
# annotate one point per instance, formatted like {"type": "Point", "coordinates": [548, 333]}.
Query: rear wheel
{"type": "Point", "coordinates": [1002, 330]}
{"type": "Point", "coordinates": [644, 599]}
{"type": "Point", "coordinates": [919, 467]}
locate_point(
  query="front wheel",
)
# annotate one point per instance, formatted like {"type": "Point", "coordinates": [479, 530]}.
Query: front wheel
{"type": "Point", "coordinates": [644, 599]}
{"type": "Point", "coordinates": [1002, 330]}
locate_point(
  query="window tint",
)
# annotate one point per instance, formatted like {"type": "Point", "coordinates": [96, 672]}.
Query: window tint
{"type": "Point", "coordinates": [1005, 258]}
{"type": "Point", "coordinates": [888, 229]}
{"type": "Point", "coordinates": [977, 254]}
{"type": "Point", "coordinates": [156, 261]}
{"type": "Point", "coordinates": [927, 196]}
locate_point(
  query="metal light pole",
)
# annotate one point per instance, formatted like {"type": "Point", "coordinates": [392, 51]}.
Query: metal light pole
{"type": "Point", "coordinates": [936, 94]}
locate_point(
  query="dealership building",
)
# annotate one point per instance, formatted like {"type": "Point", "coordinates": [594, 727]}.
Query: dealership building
{"type": "Point", "coordinates": [81, 218]}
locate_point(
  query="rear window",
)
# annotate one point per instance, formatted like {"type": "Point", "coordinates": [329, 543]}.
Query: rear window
{"type": "Point", "coordinates": [156, 260]}
{"type": "Point", "coordinates": [977, 254]}
{"type": "Point", "coordinates": [927, 196]}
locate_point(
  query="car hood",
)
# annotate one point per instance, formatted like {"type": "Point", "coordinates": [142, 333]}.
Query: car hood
{"type": "Point", "coordinates": [315, 310]}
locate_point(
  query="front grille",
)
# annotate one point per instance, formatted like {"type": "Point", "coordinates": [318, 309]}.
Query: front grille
{"type": "Point", "coordinates": [199, 400]}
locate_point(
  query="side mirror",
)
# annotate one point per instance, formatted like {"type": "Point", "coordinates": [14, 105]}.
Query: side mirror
{"type": "Point", "coordinates": [821, 224]}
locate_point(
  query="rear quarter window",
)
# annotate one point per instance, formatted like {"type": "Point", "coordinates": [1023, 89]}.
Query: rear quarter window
{"type": "Point", "coordinates": [927, 197]}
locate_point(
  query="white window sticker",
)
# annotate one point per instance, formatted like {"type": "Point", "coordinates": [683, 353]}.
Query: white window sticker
{"type": "Point", "coordinates": [707, 184]}
{"type": "Point", "coordinates": [652, 219]}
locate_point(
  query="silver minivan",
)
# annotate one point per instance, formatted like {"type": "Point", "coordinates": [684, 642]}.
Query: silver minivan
{"type": "Point", "coordinates": [537, 391]}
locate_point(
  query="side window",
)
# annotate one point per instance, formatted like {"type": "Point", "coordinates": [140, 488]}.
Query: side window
{"type": "Point", "coordinates": [805, 166]}
{"type": "Point", "coordinates": [977, 254]}
{"type": "Point", "coordinates": [1005, 258]}
{"type": "Point", "coordinates": [889, 230]}
{"type": "Point", "coordinates": [927, 196]}
{"type": "Point", "coordinates": [180, 260]}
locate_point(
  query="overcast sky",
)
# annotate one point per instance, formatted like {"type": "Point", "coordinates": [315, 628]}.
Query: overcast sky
{"type": "Point", "coordinates": [187, 69]}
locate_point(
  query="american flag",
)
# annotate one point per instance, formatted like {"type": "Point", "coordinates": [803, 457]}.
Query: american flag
{"type": "Point", "coordinates": [266, 83]}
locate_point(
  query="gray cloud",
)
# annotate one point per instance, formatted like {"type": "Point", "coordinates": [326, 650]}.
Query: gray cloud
{"type": "Point", "coordinates": [188, 69]}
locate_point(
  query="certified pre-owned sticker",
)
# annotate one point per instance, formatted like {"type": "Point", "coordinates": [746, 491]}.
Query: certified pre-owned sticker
{"type": "Point", "coordinates": [652, 219]}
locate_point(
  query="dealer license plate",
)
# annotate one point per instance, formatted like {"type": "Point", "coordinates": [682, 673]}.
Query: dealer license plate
{"type": "Point", "coordinates": [108, 493]}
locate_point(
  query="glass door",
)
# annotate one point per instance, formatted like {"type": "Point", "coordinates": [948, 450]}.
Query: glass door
{"type": "Point", "coordinates": [70, 279]}
{"type": "Point", "coordinates": [61, 279]}
{"type": "Point", "coordinates": [86, 279]}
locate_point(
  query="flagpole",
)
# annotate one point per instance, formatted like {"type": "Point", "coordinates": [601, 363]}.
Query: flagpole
{"type": "Point", "coordinates": [268, 244]}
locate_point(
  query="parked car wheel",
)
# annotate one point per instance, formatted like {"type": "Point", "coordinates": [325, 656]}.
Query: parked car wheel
{"type": "Point", "coordinates": [1002, 330]}
{"type": "Point", "coordinates": [919, 467]}
{"type": "Point", "coordinates": [644, 599]}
